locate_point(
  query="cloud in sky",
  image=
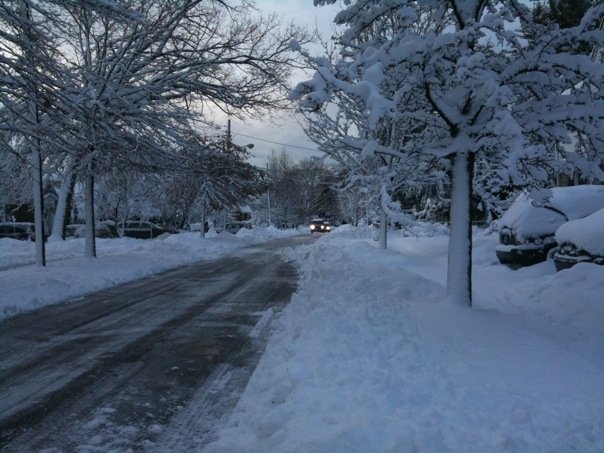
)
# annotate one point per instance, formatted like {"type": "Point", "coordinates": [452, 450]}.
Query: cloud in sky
{"type": "Point", "coordinates": [284, 129]}
{"type": "Point", "coordinates": [267, 137]}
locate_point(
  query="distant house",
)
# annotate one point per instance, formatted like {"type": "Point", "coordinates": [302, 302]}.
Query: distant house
{"type": "Point", "coordinates": [243, 213]}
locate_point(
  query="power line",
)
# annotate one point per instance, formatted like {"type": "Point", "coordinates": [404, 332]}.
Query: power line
{"type": "Point", "coordinates": [274, 143]}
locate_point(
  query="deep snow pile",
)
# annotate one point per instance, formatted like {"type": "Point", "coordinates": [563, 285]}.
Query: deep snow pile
{"type": "Point", "coordinates": [24, 286]}
{"type": "Point", "coordinates": [369, 356]}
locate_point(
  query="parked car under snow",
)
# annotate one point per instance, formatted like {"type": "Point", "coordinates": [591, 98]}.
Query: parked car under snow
{"type": "Point", "coordinates": [102, 229]}
{"type": "Point", "coordinates": [527, 229]}
{"type": "Point", "coordinates": [140, 229]}
{"type": "Point", "coordinates": [18, 230]}
{"type": "Point", "coordinates": [581, 241]}
{"type": "Point", "coordinates": [234, 227]}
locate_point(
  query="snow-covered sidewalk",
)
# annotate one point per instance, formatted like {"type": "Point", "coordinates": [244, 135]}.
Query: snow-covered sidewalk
{"type": "Point", "coordinates": [68, 274]}
{"type": "Point", "coordinates": [371, 357]}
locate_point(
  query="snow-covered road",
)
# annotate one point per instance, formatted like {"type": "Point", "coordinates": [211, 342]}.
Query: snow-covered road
{"type": "Point", "coordinates": [122, 368]}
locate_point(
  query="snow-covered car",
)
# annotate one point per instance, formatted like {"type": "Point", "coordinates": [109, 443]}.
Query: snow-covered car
{"type": "Point", "coordinates": [234, 227]}
{"type": "Point", "coordinates": [581, 241]}
{"type": "Point", "coordinates": [18, 230]}
{"type": "Point", "coordinates": [319, 226]}
{"type": "Point", "coordinates": [75, 230]}
{"type": "Point", "coordinates": [527, 229]}
{"type": "Point", "coordinates": [106, 229]}
{"type": "Point", "coordinates": [196, 227]}
{"type": "Point", "coordinates": [102, 229]}
{"type": "Point", "coordinates": [142, 229]}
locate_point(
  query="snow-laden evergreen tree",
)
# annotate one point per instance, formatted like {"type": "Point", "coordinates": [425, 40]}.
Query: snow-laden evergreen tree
{"type": "Point", "coordinates": [486, 82]}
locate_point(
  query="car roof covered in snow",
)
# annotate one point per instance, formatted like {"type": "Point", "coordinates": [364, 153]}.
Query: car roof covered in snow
{"type": "Point", "coordinates": [542, 212]}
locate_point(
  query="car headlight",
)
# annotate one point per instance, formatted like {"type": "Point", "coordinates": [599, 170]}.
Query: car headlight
{"type": "Point", "coordinates": [568, 249]}
{"type": "Point", "coordinates": [312, 227]}
{"type": "Point", "coordinates": [507, 237]}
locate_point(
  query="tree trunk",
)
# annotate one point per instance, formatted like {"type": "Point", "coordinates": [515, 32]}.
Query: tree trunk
{"type": "Point", "coordinates": [459, 275]}
{"type": "Point", "coordinates": [38, 206]}
{"type": "Point", "coordinates": [58, 222]}
{"type": "Point", "coordinates": [89, 214]}
{"type": "Point", "coordinates": [69, 205]}
{"type": "Point", "coordinates": [36, 153]}
{"type": "Point", "coordinates": [383, 230]}
{"type": "Point", "coordinates": [202, 228]}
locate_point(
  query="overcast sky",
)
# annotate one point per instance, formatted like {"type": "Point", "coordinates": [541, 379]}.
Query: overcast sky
{"type": "Point", "coordinates": [287, 131]}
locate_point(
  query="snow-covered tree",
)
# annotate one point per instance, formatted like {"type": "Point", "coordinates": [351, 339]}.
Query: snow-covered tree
{"type": "Point", "coordinates": [134, 76]}
{"type": "Point", "coordinates": [485, 82]}
{"type": "Point", "coordinates": [566, 13]}
{"type": "Point", "coordinates": [220, 176]}
{"type": "Point", "coordinates": [284, 195]}
{"type": "Point", "coordinates": [370, 159]}
{"type": "Point", "coordinates": [28, 79]}
{"type": "Point", "coordinates": [370, 147]}
{"type": "Point", "coordinates": [206, 175]}
{"type": "Point", "coordinates": [300, 190]}
{"type": "Point", "coordinates": [353, 204]}
{"type": "Point", "coordinates": [15, 184]}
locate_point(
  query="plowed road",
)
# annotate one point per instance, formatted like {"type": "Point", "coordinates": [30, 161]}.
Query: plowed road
{"type": "Point", "coordinates": [150, 365]}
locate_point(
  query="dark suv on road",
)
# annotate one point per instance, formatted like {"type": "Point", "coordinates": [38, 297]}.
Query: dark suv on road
{"type": "Point", "coordinates": [319, 226]}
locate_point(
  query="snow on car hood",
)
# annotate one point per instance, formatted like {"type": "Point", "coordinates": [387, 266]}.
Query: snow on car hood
{"type": "Point", "coordinates": [587, 233]}
{"type": "Point", "coordinates": [531, 219]}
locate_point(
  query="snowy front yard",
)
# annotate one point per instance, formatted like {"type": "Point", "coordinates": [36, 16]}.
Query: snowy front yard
{"type": "Point", "coordinates": [369, 356]}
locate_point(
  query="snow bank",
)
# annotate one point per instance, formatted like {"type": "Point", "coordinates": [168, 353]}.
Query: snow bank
{"type": "Point", "coordinates": [24, 286]}
{"type": "Point", "coordinates": [369, 356]}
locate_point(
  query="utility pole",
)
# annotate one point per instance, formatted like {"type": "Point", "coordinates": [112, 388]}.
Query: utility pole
{"type": "Point", "coordinates": [268, 193]}
{"type": "Point", "coordinates": [228, 136]}
{"type": "Point", "coordinates": [202, 230]}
